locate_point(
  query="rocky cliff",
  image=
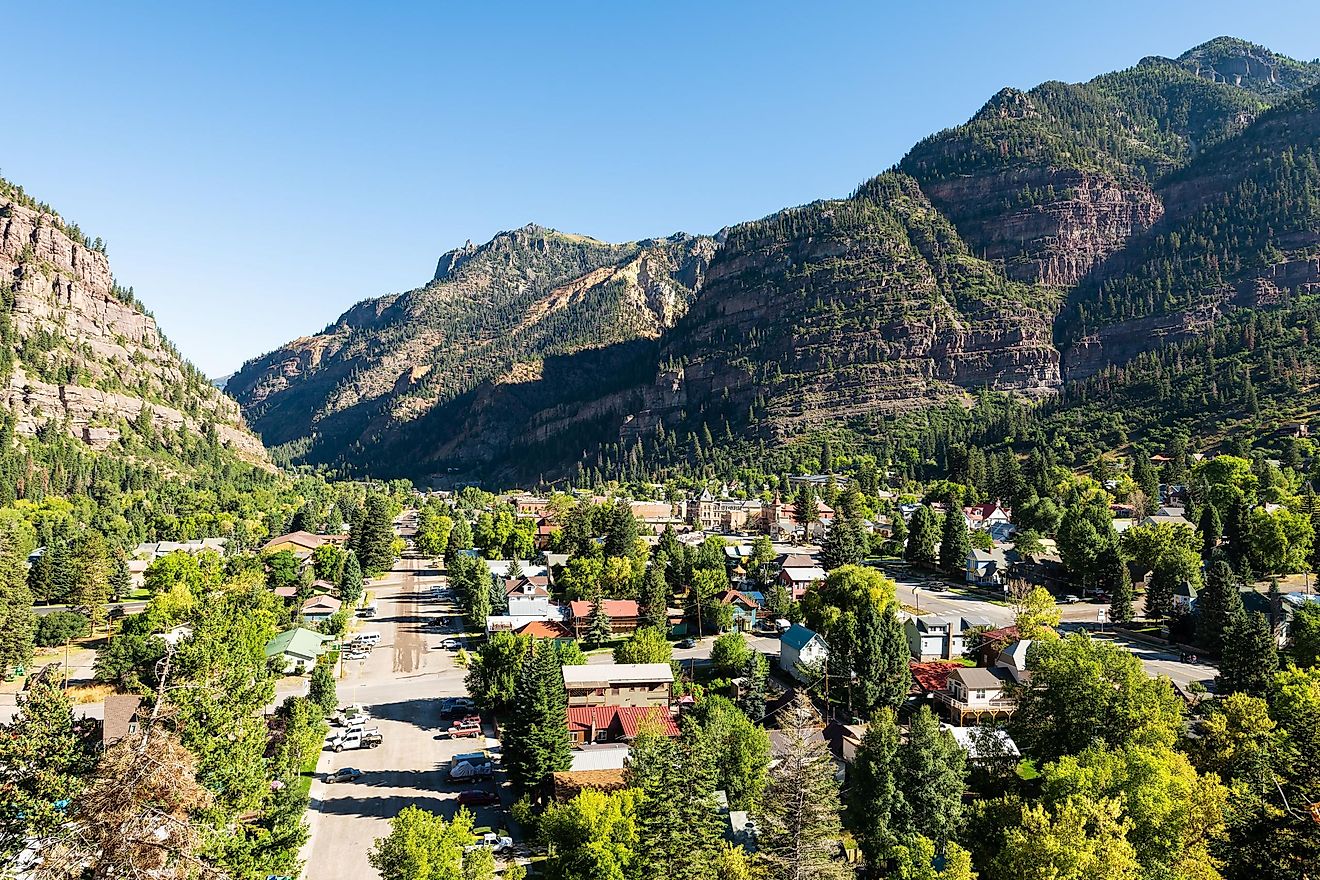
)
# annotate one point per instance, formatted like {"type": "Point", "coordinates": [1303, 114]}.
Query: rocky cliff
{"type": "Point", "coordinates": [80, 352]}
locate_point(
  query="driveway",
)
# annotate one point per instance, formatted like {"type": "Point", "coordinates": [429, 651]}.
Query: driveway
{"type": "Point", "coordinates": [400, 686]}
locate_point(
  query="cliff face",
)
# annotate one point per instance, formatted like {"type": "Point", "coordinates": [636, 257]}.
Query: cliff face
{"type": "Point", "coordinates": [82, 353]}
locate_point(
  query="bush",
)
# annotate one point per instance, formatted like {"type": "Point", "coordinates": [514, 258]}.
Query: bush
{"type": "Point", "coordinates": [59, 627]}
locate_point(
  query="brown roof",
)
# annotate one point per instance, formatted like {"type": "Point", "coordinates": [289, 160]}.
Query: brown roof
{"type": "Point", "coordinates": [619, 721]}
{"type": "Point", "coordinates": [614, 608]}
{"type": "Point", "coordinates": [933, 676]}
{"type": "Point", "coordinates": [546, 629]}
{"type": "Point", "coordinates": [119, 712]}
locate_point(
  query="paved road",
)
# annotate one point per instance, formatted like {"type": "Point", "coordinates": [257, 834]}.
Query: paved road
{"type": "Point", "coordinates": [399, 685]}
{"type": "Point", "coordinates": [1079, 616]}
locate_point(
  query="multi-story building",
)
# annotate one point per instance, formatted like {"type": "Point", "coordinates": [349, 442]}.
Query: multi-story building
{"type": "Point", "coordinates": [619, 684]}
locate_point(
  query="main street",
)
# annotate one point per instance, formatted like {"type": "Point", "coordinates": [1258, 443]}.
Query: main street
{"type": "Point", "coordinates": [399, 685]}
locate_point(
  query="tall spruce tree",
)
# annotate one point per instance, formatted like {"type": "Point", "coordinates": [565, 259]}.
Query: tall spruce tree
{"type": "Point", "coordinates": [931, 774]}
{"type": "Point", "coordinates": [1217, 606]}
{"type": "Point", "coordinates": [460, 537]}
{"type": "Point", "coordinates": [800, 825]}
{"type": "Point", "coordinates": [1210, 527]}
{"type": "Point", "coordinates": [18, 622]}
{"type": "Point", "coordinates": [844, 545]}
{"type": "Point", "coordinates": [881, 659]}
{"type": "Point", "coordinates": [677, 830]}
{"type": "Point", "coordinates": [350, 582]}
{"type": "Point", "coordinates": [955, 543]}
{"type": "Point", "coordinates": [875, 802]}
{"type": "Point", "coordinates": [536, 744]}
{"type": "Point", "coordinates": [374, 540]}
{"type": "Point", "coordinates": [1118, 580]}
{"type": "Point", "coordinates": [1250, 657]}
{"type": "Point", "coordinates": [921, 540]}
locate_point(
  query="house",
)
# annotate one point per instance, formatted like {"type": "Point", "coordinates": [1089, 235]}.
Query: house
{"type": "Point", "coordinates": [782, 741]}
{"type": "Point", "coordinates": [800, 649]}
{"type": "Point", "coordinates": [985, 745]}
{"type": "Point", "coordinates": [1174, 516]}
{"type": "Point", "coordinates": [615, 724]}
{"type": "Point", "coordinates": [1012, 658]}
{"type": "Point", "coordinates": [1184, 597]}
{"type": "Point", "coordinates": [939, 637]}
{"type": "Point", "coordinates": [300, 543]}
{"type": "Point", "coordinates": [746, 607]}
{"type": "Point", "coordinates": [987, 568]}
{"type": "Point", "coordinates": [929, 679]}
{"type": "Point", "coordinates": [1045, 570]}
{"type": "Point", "coordinates": [552, 614]}
{"type": "Point", "coordinates": [319, 609]}
{"type": "Point", "coordinates": [985, 516]}
{"type": "Point", "coordinates": [619, 684]}
{"type": "Point", "coordinates": [546, 629]}
{"type": "Point", "coordinates": [121, 717]}
{"type": "Point", "coordinates": [799, 579]}
{"type": "Point", "coordinates": [298, 648]}
{"type": "Point", "coordinates": [976, 694]}
{"type": "Point", "coordinates": [530, 597]}
{"type": "Point", "coordinates": [623, 614]}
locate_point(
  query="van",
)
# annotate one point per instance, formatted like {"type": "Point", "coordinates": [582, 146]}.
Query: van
{"type": "Point", "coordinates": [371, 638]}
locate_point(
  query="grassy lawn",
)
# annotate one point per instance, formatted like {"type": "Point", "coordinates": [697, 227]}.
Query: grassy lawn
{"type": "Point", "coordinates": [304, 784]}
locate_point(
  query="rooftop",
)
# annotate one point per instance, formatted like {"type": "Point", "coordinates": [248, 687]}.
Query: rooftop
{"type": "Point", "coordinates": [617, 673]}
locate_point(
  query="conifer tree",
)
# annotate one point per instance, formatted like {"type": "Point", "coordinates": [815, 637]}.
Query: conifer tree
{"type": "Point", "coordinates": [931, 774]}
{"type": "Point", "coordinates": [800, 825]}
{"type": "Point", "coordinates": [18, 622]}
{"type": "Point", "coordinates": [536, 744]}
{"type": "Point", "coordinates": [600, 630]}
{"type": "Point", "coordinates": [1217, 606]}
{"type": "Point", "coordinates": [881, 659]}
{"type": "Point", "coordinates": [955, 543]}
{"type": "Point", "coordinates": [1119, 582]}
{"type": "Point", "coordinates": [460, 537]}
{"type": "Point", "coordinates": [677, 831]}
{"type": "Point", "coordinates": [875, 803]}
{"type": "Point", "coordinates": [921, 540]}
{"type": "Point", "coordinates": [350, 582]}
{"type": "Point", "coordinates": [1249, 657]}
{"type": "Point", "coordinates": [1209, 527]}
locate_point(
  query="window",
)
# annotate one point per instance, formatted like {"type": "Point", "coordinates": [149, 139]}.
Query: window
{"type": "Point", "coordinates": [980, 693]}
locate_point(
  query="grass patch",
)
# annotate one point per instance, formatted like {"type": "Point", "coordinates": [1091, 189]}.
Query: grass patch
{"type": "Point", "coordinates": [89, 693]}
{"type": "Point", "coordinates": [303, 786]}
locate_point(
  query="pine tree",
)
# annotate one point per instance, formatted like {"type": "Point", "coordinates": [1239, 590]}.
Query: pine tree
{"type": "Point", "coordinates": [921, 539]}
{"type": "Point", "coordinates": [932, 776]}
{"type": "Point", "coordinates": [373, 542]}
{"type": "Point", "coordinates": [751, 698]}
{"type": "Point", "coordinates": [875, 803]}
{"type": "Point", "coordinates": [883, 674]}
{"type": "Point", "coordinates": [844, 545]}
{"type": "Point", "coordinates": [460, 537]}
{"type": "Point", "coordinates": [1250, 656]}
{"type": "Point", "coordinates": [955, 543]}
{"type": "Point", "coordinates": [621, 531]}
{"type": "Point", "coordinates": [1217, 606]}
{"type": "Point", "coordinates": [537, 742]}
{"type": "Point", "coordinates": [18, 622]}
{"type": "Point", "coordinates": [1119, 582]}
{"type": "Point", "coordinates": [800, 826]}
{"type": "Point", "coordinates": [350, 582]}
{"type": "Point", "coordinates": [653, 601]}
{"type": "Point", "coordinates": [677, 834]}
{"type": "Point", "coordinates": [601, 629]}
{"type": "Point", "coordinates": [1209, 527]}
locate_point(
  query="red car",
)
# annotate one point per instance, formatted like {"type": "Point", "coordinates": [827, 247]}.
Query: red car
{"type": "Point", "coordinates": [476, 797]}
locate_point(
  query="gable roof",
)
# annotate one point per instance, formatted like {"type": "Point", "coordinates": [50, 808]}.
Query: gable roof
{"type": "Point", "coordinates": [933, 676]}
{"type": "Point", "coordinates": [797, 637]}
{"type": "Point", "coordinates": [119, 712]}
{"type": "Point", "coordinates": [545, 629]}
{"type": "Point", "coordinates": [321, 603]}
{"type": "Point", "coordinates": [804, 573]}
{"type": "Point", "coordinates": [614, 608]}
{"type": "Point", "coordinates": [299, 641]}
{"type": "Point", "coordinates": [306, 540]}
{"type": "Point", "coordinates": [620, 721]}
{"type": "Point", "coordinates": [976, 677]}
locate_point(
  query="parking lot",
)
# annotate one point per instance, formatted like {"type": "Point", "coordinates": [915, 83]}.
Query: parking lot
{"type": "Point", "coordinates": [400, 685]}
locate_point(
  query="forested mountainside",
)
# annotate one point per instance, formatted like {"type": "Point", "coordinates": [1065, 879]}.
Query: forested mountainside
{"type": "Point", "coordinates": [1069, 241]}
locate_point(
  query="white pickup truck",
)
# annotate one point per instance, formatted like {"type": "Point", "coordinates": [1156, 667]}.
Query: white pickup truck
{"type": "Point", "coordinates": [356, 738]}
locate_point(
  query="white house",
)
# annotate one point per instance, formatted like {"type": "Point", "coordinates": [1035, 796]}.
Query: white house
{"type": "Point", "coordinates": [975, 694]}
{"type": "Point", "coordinates": [800, 647]}
{"type": "Point", "coordinates": [936, 637]}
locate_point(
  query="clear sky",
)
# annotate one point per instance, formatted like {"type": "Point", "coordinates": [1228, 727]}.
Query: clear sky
{"type": "Point", "coordinates": [258, 167]}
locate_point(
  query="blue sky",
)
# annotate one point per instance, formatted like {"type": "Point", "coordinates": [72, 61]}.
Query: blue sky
{"type": "Point", "coordinates": [257, 168]}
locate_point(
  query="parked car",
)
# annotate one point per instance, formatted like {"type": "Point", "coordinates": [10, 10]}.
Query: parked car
{"type": "Point", "coordinates": [358, 739]}
{"type": "Point", "coordinates": [454, 706]}
{"type": "Point", "coordinates": [493, 842]}
{"type": "Point", "coordinates": [347, 715]}
{"type": "Point", "coordinates": [688, 643]}
{"type": "Point", "coordinates": [356, 654]}
{"type": "Point", "coordinates": [477, 797]}
{"type": "Point", "coordinates": [459, 731]}
{"type": "Point", "coordinates": [367, 638]}
{"type": "Point", "coordinates": [344, 774]}
{"type": "Point", "coordinates": [1070, 599]}
{"type": "Point", "coordinates": [451, 644]}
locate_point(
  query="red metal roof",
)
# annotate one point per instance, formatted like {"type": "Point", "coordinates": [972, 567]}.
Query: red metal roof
{"type": "Point", "coordinates": [546, 629]}
{"type": "Point", "coordinates": [933, 676]}
{"type": "Point", "coordinates": [620, 721]}
{"type": "Point", "coordinates": [613, 608]}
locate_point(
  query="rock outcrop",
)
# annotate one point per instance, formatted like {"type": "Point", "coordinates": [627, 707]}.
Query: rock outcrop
{"type": "Point", "coordinates": [85, 354]}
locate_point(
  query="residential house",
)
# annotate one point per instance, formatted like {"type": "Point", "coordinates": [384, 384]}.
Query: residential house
{"type": "Point", "coordinates": [319, 609]}
{"type": "Point", "coordinates": [615, 724]}
{"type": "Point", "coordinates": [929, 679]}
{"type": "Point", "coordinates": [1184, 597]}
{"type": "Point", "coordinates": [940, 637]}
{"type": "Point", "coordinates": [988, 568]}
{"type": "Point", "coordinates": [300, 543]}
{"type": "Point", "coordinates": [800, 578]}
{"type": "Point", "coordinates": [624, 616]}
{"type": "Point", "coordinates": [298, 648]}
{"type": "Point", "coordinates": [619, 684]}
{"type": "Point", "coordinates": [1172, 515]}
{"type": "Point", "coordinates": [120, 718]}
{"type": "Point", "coordinates": [985, 516]}
{"type": "Point", "coordinates": [546, 629]}
{"type": "Point", "coordinates": [746, 607]}
{"type": "Point", "coordinates": [976, 694]}
{"type": "Point", "coordinates": [985, 745]}
{"type": "Point", "coordinates": [801, 649]}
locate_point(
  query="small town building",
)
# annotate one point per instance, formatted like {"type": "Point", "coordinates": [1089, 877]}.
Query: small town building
{"type": "Point", "coordinates": [801, 649]}
{"type": "Point", "coordinates": [975, 694]}
{"type": "Point", "coordinates": [297, 648]}
{"type": "Point", "coordinates": [619, 684]}
{"type": "Point", "coordinates": [624, 616]}
{"type": "Point", "coordinates": [615, 724]}
{"type": "Point", "coordinates": [319, 609]}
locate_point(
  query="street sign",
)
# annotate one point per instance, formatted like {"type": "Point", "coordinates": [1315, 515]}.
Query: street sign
{"type": "Point", "coordinates": [1102, 615]}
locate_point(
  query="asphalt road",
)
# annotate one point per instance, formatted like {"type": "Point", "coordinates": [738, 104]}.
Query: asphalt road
{"type": "Point", "coordinates": [400, 685]}
{"type": "Point", "coordinates": [914, 593]}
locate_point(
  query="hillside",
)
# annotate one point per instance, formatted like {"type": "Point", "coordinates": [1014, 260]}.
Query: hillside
{"type": "Point", "coordinates": [79, 356]}
{"type": "Point", "coordinates": [1059, 234]}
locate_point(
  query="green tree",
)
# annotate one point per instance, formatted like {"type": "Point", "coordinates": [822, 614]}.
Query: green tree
{"type": "Point", "coordinates": [739, 750]}
{"type": "Point", "coordinates": [877, 810]}
{"type": "Point", "coordinates": [18, 622]}
{"type": "Point", "coordinates": [321, 688]}
{"type": "Point", "coordinates": [372, 538]}
{"type": "Point", "coordinates": [677, 825]}
{"type": "Point", "coordinates": [916, 860]}
{"type": "Point", "coordinates": [755, 674]}
{"type": "Point", "coordinates": [1079, 839]}
{"type": "Point", "coordinates": [1249, 657]}
{"type": "Point", "coordinates": [350, 582]}
{"type": "Point", "coordinates": [1119, 584]}
{"type": "Point", "coordinates": [1304, 630]}
{"type": "Point", "coordinates": [493, 672]}
{"type": "Point", "coordinates": [955, 543]}
{"type": "Point", "coordinates": [921, 540]}
{"type": "Point", "coordinates": [653, 601]}
{"type": "Point", "coordinates": [1085, 691]}
{"type": "Point", "coordinates": [1209, 527]}
{"type": "Point", "coordinates": [1217, 606]}
{"type": "Point", "coordinates": [600, 628]}
{"type": "Point", "coordinates": [800, 826]}
{"type": "Point", "coordinates": [646, 645]}
{"type": "Point", "coordinates": [536, 742]}
{"type": "Point", "coordinates": [46, 757]}
{"type": "Point", "coordinates": [845, 544]}
{"type": "Point", "coordinates": [422, 846]}
{"type": "Point", "coordinates": [59, 627]}
{"type": "Point", "coordinates": [729, 654]}
{"type": "Point", "coordinates": [931, 773]}
{"type": "Point", "coordinates": [460, 538]}
{"type": "Point", "coordinates": [592, 837]}
{"type": "Point", "coordinates": [1035, 614]}
{"type": "Point", "coordinates": [880, 660]}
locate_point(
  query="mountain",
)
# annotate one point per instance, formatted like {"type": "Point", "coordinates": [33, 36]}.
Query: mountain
{"type": "Point", "coordinates": [80, 356]}
{"type": "Point", "coordinates": [1061, 233]}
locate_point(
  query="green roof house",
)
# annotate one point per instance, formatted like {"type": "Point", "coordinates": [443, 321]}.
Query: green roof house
{"type": "Point", "coordinates": [299, 647]}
